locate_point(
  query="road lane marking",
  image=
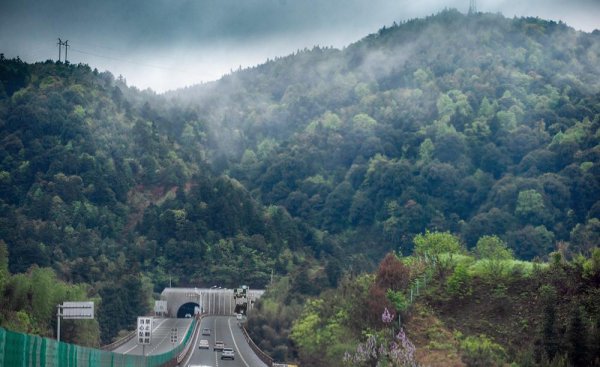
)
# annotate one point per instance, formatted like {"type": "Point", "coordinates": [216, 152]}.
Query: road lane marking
{"type": "Point", "coordinates": [215, 332]}
{"type": "Point", "coordinates": [165, 337]}
{"type": "Point", "coordinates": [234, 343]}
{"type": "Point", "coordinates": [157, 326]}
{"type": "Point", "coordinates": [153, 330]}
{"type": "Point", "coordinates": [132, 348]}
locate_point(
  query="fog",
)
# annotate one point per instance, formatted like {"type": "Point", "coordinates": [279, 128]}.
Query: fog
{"type": "Point", "coordinates": [169, 44]}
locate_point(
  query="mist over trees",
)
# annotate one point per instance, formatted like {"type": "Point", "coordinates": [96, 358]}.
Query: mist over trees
{"type": "Point", "coordinates": [312, 167]}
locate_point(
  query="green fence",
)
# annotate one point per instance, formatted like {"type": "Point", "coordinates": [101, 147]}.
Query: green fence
{"type": "Point", "coordinates": [24, 350]}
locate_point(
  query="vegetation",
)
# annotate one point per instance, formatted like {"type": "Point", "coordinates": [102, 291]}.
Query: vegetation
{"type": "Point", "coordinates": [460, 149]}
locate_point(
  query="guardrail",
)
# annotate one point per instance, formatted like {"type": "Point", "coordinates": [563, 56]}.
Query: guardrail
{"type": "Point", "coordinates": [261, 355]}
{"type": "Point", "coordinates": [191, 342]}
{"type": "Point", "coordinates": [114, 345]}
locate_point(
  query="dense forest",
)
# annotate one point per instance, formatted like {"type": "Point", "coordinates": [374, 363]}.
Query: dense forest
{"type": "Point", "coordinates": [472, 130]}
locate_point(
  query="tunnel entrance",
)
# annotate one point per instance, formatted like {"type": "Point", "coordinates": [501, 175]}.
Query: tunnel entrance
{"type": "Point", "coordinates": [190, 308]}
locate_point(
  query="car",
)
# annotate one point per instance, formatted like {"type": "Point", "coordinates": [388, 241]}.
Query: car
{"type": "Point", "coordinates": [187, 315]}
{"type": "Point", "coordinates": [206, 331]}
{"type": "Point", "coordinates": [239, 316]}
{"type": "Point", "coordinates": [219, 345]}
{"type": "Point", "coordinates": [228, 354]}
{"type": "Point", "coordinates": [203, 344]}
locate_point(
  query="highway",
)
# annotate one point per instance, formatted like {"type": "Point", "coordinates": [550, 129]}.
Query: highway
{"type": "Point", "coordinates": [226, 329]}
{"type": "Point", "coordinates": [161, 337]}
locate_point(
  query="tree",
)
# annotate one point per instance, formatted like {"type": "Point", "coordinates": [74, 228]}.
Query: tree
{"type": "Point", "coordinates": [440, 246]}
{"type": "Point", "coordinates": [4, 274]}
{"type": "Point", "coordinates": [458, 284]}
{"type": "Point", "coordinates": [493, 251]}
{"type": "Point", "coordinates": [392, 273]}
{"type": "Point", "coordinates": [493, 248]}
{"type": "Point", "coordinates": [530, 206]}
{"type": "Point", "coordinates": [437, 243]}
{"type": "Point", "coordinates": [549, 333]}
{"type": "Point", "coordinates": [577, 339]}
{"type": "Point", "coordinates": [529, 242]}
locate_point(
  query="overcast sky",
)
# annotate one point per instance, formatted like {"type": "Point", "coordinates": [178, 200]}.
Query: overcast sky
{"type": "Point", "coordinates": [167, 44]}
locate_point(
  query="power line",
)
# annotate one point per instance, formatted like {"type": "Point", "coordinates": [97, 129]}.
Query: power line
{"type": "Point", "coordinates": [126, 61]}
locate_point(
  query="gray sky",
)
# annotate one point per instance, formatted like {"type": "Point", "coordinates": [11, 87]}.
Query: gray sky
{"type": "Point", "coordinates": [167, 44]}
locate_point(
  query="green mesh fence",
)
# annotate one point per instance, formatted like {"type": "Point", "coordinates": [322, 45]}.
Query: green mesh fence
{"type": "Point", "coordinates": [24, 350]}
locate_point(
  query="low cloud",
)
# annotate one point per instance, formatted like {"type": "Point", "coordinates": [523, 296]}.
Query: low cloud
{"type": "Point", "coordinates": [166, 44]}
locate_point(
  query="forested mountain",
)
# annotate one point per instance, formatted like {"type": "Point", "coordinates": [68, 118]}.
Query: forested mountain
{"type": "Point", "coordinates": [95, 186]}
{"type": "Point", "coordinates": [474, 124]}
{"type": "Point", "coordinates": [312, 166]}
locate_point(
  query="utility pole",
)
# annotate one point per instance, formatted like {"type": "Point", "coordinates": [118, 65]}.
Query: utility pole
{"type": "Point", "coordinates": [59, 48]}
{"type": "Point", "coordinates": [472, 7]}
{"type": "Point", "coordinates": [66, 47]}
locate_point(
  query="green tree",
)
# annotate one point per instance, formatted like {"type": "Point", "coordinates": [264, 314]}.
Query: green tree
{"type": "Point", "coordinates": [43, 299]}
{"type": "Point", "coordinates": [459, 283]}
{"type": "Point", "coordinates": [437, 243]}
{"type": "Point", "coordinates": [577, 339]}
{"type": "Point", "coordinates": [4, 273]}
{"type": "Point", "coordinates": [530, 206]}
{"type": "Point", "coordinates": [492, 247]}
{"type": "Point", "coordinates": [549, 334]}
{"type": "Point", "coordinates": [494, 252]}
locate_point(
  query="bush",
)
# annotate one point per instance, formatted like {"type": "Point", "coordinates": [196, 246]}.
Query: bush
{"type": "Point", "coordinates": [481, 351]}
{"type": "Point", "coordinates": [459, 283]}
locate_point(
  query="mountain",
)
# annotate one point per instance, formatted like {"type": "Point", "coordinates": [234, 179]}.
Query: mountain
{"type": "Point", "coordinates": [96, 188]}
{"type": "Point", "coordinates": [475, 124]}
{"type": "Point", "coordinates": [310, 167]}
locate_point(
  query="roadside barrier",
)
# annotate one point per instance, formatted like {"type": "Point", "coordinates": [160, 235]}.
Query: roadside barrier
{"type": "Point", "coordinates": [17, 349]}
{"type": "Point", "coordinates": [261, 355]}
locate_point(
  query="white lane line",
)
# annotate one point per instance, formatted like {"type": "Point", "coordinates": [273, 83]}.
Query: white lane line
{"type": "Point", "coordinates": [157, 326]}
{"type": "Point", "coordinates": [216, 354]}
{"type": "Point", "coordinates": [167, 335]}
{"type": "Point", "coordinates": [129, 350]}
{"type": "Point", "coordinates": [234, 343]}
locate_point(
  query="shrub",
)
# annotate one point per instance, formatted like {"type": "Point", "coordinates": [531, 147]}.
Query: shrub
{"type": "Point", "coordinates": [482, 351]}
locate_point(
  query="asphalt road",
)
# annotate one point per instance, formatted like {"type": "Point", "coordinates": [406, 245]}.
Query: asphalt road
{"type": "Point", "coordinates": [226, 329]}
{"type": "Point", "coordinates": [161, 337]}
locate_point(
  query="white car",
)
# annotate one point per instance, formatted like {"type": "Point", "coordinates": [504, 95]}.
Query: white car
{"type": "Point", "coordinates": [228, 354]}
{"type": "Point", "coordinates": [203, 344]}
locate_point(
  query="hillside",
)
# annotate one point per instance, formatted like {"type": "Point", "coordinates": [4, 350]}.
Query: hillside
{"type": "Point", "coordinates": [95, 190]}
{"type": "Point", "coordinates": [474, 124]}
{"type": "Point", "coordinates": [311, 168]}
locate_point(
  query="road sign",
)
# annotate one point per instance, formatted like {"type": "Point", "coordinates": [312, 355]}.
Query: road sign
{"type": "Point", "coordinates": [174, 335]}
{"type": "Point", "coordinates": [77, 310]}
{"type": "Point", "coordinates": [160, 306]}
{"type": "Point", "coordinates": [144, 330]}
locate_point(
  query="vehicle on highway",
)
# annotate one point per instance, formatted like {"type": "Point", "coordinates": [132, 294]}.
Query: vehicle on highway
{"type": "Point", "coordinates": [187, 315]}
{"type": "Point", "coordinates": [219, 345]}
{"type": "Point", "coordinates": [203, 344]}
{"type": "Point", "coordinates": [206, 331]}
{"type": "Point", "coordinates": [228, 354]}
{"type": "Point", "coordinates": [239, 316]}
